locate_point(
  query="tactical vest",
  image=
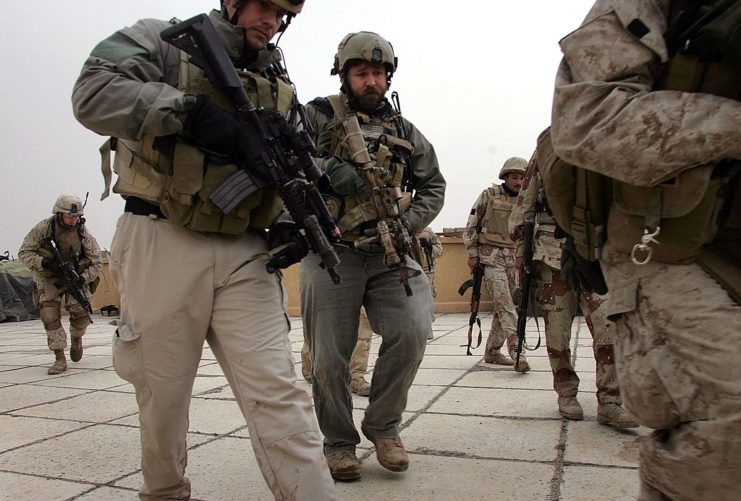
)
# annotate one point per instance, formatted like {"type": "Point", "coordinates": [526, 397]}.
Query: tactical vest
{"type": "Point", "coordinates": [684, 209]}
{"type": "Point", "coordinates": [180, 181]}
{"type": "Point", "coordinates": [495, 221]}
{"type": "Point", "coordinates": [380, 139]}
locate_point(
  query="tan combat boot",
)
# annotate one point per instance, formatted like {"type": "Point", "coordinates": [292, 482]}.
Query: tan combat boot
{"type": "Point", "coordinates": [389, 452]}
{"type": "Point", "coordinates": [497, 357]}
{"type": "Point", "coordinates": [60, 364]}
{"type": "Point", "coordinates": [570, 408]}
{"type": "Point", "coordinates": [614, 415]}
{"type": "Point", "coordinates": [360, 386]}
{"type": "Point", "coordinates": [344, 466]}
{"type": "Point", "coordinates": [75, 351]}
{"type": "Point", "coordinates": [523, 366]}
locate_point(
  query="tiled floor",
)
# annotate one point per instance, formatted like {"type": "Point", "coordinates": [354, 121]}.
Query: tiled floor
{"type": "Point", "coordinates": [473, 431]}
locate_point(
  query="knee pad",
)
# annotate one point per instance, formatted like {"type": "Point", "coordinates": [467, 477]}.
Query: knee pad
{"type": "Point", "coordinates": [51, 315]}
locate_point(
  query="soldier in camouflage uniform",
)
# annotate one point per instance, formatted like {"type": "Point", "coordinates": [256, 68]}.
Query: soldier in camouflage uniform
{"type": "Point", "coordinates": [559, 300]}
{"type": "Point", "coordinates": [66, 231]}
{"type": "Point", "coordinates": [655, 106]}
{"type": "Point", "coordinates": [487, 242]}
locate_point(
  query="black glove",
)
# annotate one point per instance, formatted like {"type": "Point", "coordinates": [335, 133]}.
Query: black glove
{"type": "Point", "coordinates": [219, 134]}
{"type": "Point", "coordinates": [344, 178]}
{"type": "Point", "coordinates": [425, 243]}
{"type": "Point", "coordinates": [294, 246]}
{"type": "Point", "coordinates": [581, 273]}
{"type": "Point", "coordinates": [50, 265]}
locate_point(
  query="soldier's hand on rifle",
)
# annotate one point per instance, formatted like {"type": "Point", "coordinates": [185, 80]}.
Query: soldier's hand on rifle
{"type": "Point", "coordinates": [50, 265]}
{"type": "Point", "coordinates": [472, 262]}
{"type": "Point", "coordinates": [219, 134]}
{"type": "Point", "coordinates": [425, 243]}
{"type": "Point", "coordinates": [289, 245]}
{"type": "Point", "coordinates": [345, 178]}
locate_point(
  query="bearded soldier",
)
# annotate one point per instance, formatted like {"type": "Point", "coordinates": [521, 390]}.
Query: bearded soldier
{"type": "Point", "coordinates": [487, 243]}
{"type": "Point", "coordinates": [386, 186]}
{"type": "Point", "coordinates": [187, 271]}
{"type": "Point", "coordinates": [57, 242]}
{"type": "Point", "coordinates": [647, 94]}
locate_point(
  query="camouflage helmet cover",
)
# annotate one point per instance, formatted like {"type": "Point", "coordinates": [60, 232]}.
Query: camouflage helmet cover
{"type": "Point", "coordinates": [292, 6]}
{"type": "Point", "coordinates": [366, 46]}
{"type": "Point", "coordinates": [514, 165]}
{"type": "Point", "coordinates": [68, 204]}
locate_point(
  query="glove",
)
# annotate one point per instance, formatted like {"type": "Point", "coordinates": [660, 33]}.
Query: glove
{"type": "Point", "coordinates": [50, 265]}
{"type": "Point", "coordinates": [293, 246]}
{"type": "Point", "coordinates": [344, 178]}
{"type": "Point", "coordinates": [425, 243]}
{"type": "Point", "coordinates": [219, 134]}
{"type": "Point", "coordinates": [581, 273]}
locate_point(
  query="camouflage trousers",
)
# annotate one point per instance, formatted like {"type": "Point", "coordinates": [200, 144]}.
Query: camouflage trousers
{"type": "Point", "coordinates": [678, 352]}
{"type": "Point", "coordinates": [49, 302]}
{"type": "Point", "coordinates": [500, 278]}
{"type": "Point", "coordinates": [559, 302]}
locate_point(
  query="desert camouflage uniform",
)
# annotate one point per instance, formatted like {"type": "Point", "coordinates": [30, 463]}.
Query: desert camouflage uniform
{"type": "Point", "coordinates": [678, 342]}
{"type": "Point", "coordinates": [428, 262]}
{"type": "Point", "coordinates": [500, 275]}
{"type": "Point", "coordinates": [559, 300]}
{"type": "Point", "coordinates": [34, 249]}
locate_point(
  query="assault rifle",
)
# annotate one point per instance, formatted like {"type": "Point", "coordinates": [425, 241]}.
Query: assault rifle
{"type": "Point", "coordinates": [523, 299]}
{"type": "Point", "coordinates": [391, 233]}
{"type": "Point", "coordinates": [285, 155]}
{"type": "Point", "coordinates": [71, 282]}
{"type": "Point", "coordinates": [474, 284]}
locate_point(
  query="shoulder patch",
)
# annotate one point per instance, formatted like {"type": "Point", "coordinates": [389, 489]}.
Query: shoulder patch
{"type": "Point", "coordinates": [323, 105]}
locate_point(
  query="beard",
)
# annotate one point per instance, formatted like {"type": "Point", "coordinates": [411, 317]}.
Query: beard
{"type": "Point", "coordinates": [367, 102]}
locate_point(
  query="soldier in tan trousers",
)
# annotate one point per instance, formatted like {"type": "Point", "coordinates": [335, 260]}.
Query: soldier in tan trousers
{"type": "Point", "coordinates": [559, 301]}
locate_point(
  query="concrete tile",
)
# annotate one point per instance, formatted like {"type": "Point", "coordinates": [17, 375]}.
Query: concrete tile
{"type": "Point", "coordinates": [16, 396]}
{"type": "Point", "coordinates": [210, 369]}
{"type": "Point", "coordinates": [438, 377]}
{"type": "Point", "coordinates": [24, 487]}
{"type": "Point", "coordinates": [109, 494]}
{"type": "Point", "coordinates": [447, 362]}
{"type": "Point", "coordinates": [484, 437]}
{"type": "Point", "coordinates": [212, 387]}
{"type": "Point", "coordinates": [582, 483]}
{"type": "Point", "coordinates": [214, 416]}
{"type": "Point", "coordinates": [433, 477]}
{"type": "Point", "coordinates": [593, 443]}
{"type": "Point", "coordinates": [94, 454]}
{"type": "Point", "coordinates": [25, 374]}
{"type": "Point", "coordinates": [99, 406]}
{"type": "Point", "coordinates": [497, 402]}
{"type": "Point", "coordinates": [90, 380]}
{"type": "Point", "coordinates": [497, 376]}
{"type": "Point", "coordinates": [19, 431]}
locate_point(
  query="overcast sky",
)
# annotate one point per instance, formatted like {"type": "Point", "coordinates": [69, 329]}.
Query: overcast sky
{"type": "Point", "coordinates": [475, 77]}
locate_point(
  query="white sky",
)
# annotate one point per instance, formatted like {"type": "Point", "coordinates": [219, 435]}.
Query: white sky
{"type": "Point", "coordinates": [475, 78]}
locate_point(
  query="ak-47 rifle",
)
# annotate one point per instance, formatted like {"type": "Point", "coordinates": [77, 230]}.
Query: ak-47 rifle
{"type": "Point", "coordinates": [284, 159]}
{"type": "Point", "coordinates": [474, 283]}
{"type": "Point", "coordinates": [390, 231]}
{"type": "Point", "coordinates": [523, 301]}
{"type": "Point", "coordinates": [71, 282]}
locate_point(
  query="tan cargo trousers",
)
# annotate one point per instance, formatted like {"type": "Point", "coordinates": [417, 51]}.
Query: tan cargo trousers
{"type": "Point", "coordinates": [178, 289]}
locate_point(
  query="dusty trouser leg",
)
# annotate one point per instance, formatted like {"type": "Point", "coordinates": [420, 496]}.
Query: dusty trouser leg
{"type": "Point", "coordinates": [79, 320]}
{"type": "Point", "coordinates": [51, 316]}
{"type": "Point", "coordinates": [603, 335]}
{"type": "Point", "coordinates": [504, 317]}
{"type": "Point", "coordinates": [678, 366]}
{"type": "Point", "coordinates": [330, 315]}
{"type": "Point", "coordinates": [249, 337]}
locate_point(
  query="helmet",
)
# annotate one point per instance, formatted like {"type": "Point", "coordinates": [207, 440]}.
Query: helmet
{"type": "Point", "coordinates": [293, 7]}
{"type": "Point", "coordinates": [514, 165]}
{"type": "Point", "coordinates": [367, 46]}
{"type": "Point", "coordinates": [68, 204]}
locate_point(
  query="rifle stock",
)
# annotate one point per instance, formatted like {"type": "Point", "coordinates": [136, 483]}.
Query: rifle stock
{"type": "Point", "coordinates": [474, 284]}
{"type": "Point", "coordinates": [285, 158]}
